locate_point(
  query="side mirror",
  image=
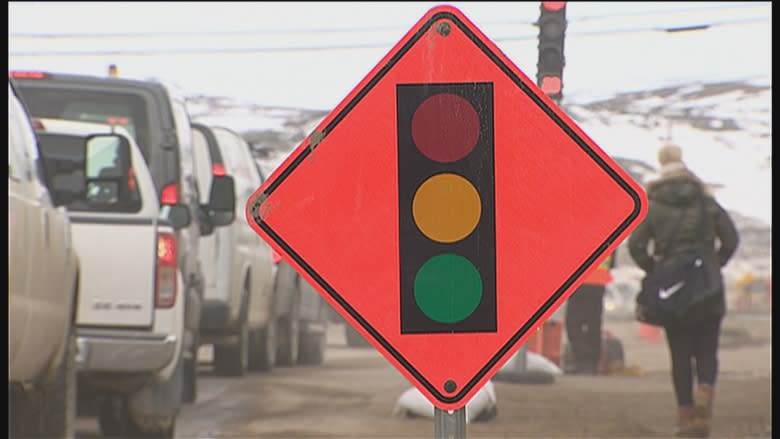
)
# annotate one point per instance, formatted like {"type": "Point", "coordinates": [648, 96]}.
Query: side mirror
{"type": "Point", "coordinates": [221, 209]}
{"type": "Point", "coordinates": [110, 182]}
{"type": "Point", "coordinates": [177, 214]}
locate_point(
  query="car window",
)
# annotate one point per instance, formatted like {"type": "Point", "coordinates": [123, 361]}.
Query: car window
{"type": "Point", "coordinates": [111, 113]}
{"type": "Point", "coordinates": [190, 186]}
{"type": "Point", "coordinates": [104, 162]}
{"type": "Point", "coordinates": [184, 134]}
{"type": "Point", "coordinates": [109, 188]}
{"type": "Point", "coordinates": [113, 107]}
{"type": "Point", "coordinates": [234, 147]}
{"type": "Point", "coordinates": [202, 163]}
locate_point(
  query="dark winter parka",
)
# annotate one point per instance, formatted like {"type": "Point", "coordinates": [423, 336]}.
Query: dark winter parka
{"type": "Point", "coordinates": [680, 193]}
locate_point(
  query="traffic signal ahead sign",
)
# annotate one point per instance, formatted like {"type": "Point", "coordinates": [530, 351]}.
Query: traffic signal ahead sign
{"type": "Point", "coordinates": [446, 207]}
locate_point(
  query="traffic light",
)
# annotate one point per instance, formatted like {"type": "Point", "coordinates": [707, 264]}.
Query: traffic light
{"type": "Point", "coordinates": [446, 217]}
{"type": "Point", "coordinates": [552, 32]}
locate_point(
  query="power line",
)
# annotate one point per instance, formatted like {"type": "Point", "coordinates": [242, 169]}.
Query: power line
{"type": "Point", "coordinates": [199, 51]}
{"type": "Point", "coordinates": [741, 5]}
{"type": "Point", "coordinates": [346, 30]}
{"type": "Point", "coordinates": [247, 50]}
{"type": "Point", "coordinates": [204, 33]}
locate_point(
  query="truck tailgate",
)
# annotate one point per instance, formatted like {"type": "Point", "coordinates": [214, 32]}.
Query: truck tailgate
{"type": "Point", "coordinates": [118, 261]}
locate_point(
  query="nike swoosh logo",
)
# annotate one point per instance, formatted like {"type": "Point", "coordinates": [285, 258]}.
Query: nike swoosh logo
{"type": "Point", "coordinates": [665, 293]}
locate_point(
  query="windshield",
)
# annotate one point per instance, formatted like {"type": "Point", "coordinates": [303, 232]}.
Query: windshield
{"type": "Point", "coordinates": [113, 108]}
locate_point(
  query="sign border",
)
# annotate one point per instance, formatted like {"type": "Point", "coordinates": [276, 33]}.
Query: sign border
{"type": "Point", "coordinates": [317, 137]}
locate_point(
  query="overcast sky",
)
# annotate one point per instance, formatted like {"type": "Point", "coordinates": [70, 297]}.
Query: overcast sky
{"type": "Point", "coordinates": [311, 55]}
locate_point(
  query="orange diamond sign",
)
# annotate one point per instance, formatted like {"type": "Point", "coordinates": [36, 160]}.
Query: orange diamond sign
{"type": "Point", "coordinates": [446, 207]}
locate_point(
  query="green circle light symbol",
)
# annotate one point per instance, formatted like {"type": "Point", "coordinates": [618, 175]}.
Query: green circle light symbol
{"type": "Point", "coordinates": [448, 288]}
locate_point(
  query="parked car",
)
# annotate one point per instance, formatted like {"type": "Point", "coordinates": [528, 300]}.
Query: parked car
{"type": "Point", "coordinates": [43, 283]}
{"type": "Point", "coordinates": [130, 313]}
{"type": "Point", "coordinates": [287, 319]}
{"type": "Point", "coordinates": [130, 323]}
{"type": "Point", "coordinates": [155, 115]}
{"type": "Point", "coordinates": [237, 317]}
{"type": "Point", "coordinates": [303, 316]}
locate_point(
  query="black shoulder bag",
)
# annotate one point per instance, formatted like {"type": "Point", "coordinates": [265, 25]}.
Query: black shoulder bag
{"type": "Point", "coordinates": [675, 286]}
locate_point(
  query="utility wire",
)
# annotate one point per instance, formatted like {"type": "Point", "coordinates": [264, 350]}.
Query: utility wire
{"type": "Point", "coordinates": [216, 51]}
{"type": "Point", "coordinates": [350, 29]}
{"type": "Point", "coordinates": [740, 5]}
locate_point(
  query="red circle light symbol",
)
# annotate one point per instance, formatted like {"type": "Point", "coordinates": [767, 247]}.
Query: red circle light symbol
{"type": "Point", "coordinates": [445, 127]}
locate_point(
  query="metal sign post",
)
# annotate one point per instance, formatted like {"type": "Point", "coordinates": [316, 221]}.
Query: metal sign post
{"type": "Point", "coordinates": [449, 424]}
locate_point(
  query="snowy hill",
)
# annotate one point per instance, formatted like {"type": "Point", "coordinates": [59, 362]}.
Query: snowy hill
{"type": "Point", "coordinates": [723, 128]}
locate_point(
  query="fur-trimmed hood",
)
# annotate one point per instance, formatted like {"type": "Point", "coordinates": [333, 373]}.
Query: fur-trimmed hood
{"type": "Point", "coordinates": [676, 185]}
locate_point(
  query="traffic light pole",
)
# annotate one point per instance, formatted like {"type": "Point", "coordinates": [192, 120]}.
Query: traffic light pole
{"type": "Point", "coordinates": [449, 424]}
{"type": "Point", "coordinates": [552, 35]}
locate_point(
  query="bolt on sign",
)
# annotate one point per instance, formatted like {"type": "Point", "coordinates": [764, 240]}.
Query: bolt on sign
{"type": "Point", "coordinates": [446, 207]}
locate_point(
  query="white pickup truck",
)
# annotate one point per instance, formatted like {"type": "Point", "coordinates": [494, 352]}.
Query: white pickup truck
{"type": "Point", "coordinates": [130, 312]}
{"type": "Point", "coordinates": [255, 316]}
{"type": "Point", "coordinates": [43, 270]}
{"type": "Point", "coordinates": [238, 273]}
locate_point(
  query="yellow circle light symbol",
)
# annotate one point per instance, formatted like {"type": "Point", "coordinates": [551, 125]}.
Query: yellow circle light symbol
{"type": "Point", "coordinates": [446, 208]}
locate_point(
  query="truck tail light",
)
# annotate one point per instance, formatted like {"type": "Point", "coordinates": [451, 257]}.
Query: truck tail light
{"type": "Point", "coordinates": [170, 194]}
{"type": "Point", "coordinates": [21, 74]}
{"type": "Point", "coordinates": [165, 278]}
{"type": "Point", "coordinates": [218, 170]}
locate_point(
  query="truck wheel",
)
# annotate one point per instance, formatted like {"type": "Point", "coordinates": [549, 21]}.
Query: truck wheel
{"type": "Point", "coordinates": [115, 420]}
{"type": "Point", "coordinates": [190, 390]}
{"type": "Point", "coordinates": [18, 412]}
{"type": "Point", "coordinates": [162, 428]}
{"type": "Point", "coordinates": [263, 346]}
{"type": "Point", "coordinates": [233, 360]}
{"type": "Point", "coordinates": [354, 339]}
{"type": "Point", "coordinates": [289, 336]}
{"type": "Point", "coordinates": [312, 349]}
{"type": "Point", "coordinates": [112, 417]}
{"type": "Point", "coordinates": [56, 403]}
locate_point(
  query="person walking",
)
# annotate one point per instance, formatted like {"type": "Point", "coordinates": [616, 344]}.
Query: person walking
{"type": "Point", "coordinates": [693, 343]}
{"type": "Point", "coordinates": [584, 317]}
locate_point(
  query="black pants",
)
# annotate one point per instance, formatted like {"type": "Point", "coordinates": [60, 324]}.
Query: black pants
{"type": "Point", "coordinates": [584, 311]}
{"type": "Point", "coordinates": [693, 344]}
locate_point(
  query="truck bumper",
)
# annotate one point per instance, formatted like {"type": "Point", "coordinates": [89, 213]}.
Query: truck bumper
{"type": "Point", "coordinates": [123, 351]}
